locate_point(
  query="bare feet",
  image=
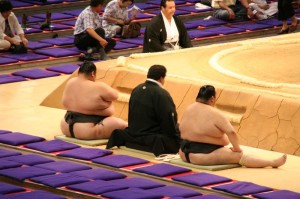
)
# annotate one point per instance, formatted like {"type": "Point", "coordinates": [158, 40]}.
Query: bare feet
{"type": "Point", "coordinates": [279, 161]}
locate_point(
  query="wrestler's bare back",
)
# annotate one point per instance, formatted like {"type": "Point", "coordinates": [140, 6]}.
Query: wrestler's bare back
{"type": "Point", "coordinates": [89, 97]}
{"type": "Point", "coordinates": [204, 123]}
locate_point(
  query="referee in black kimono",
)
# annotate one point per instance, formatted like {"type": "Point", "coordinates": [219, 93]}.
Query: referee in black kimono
{"type": "Point", "coordinates": [286, 11]}
{"type": "Point", "coordinates": [152, 118]}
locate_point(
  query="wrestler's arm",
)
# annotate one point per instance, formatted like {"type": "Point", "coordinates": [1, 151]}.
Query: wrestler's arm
{"type": "Point", "coordinates": [108, 94]}
{"type": "Point", "coordinates": [224, 125]}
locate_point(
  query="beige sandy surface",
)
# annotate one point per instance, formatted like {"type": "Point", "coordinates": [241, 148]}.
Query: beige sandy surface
{"type": "Point", "coordinates": [20, 109]}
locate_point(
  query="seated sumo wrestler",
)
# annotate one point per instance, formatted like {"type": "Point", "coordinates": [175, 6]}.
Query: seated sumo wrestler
{"type": "Point", "coordinates": [152, 118]}
{"type": "Point", "coordinates": [89, 106]}
{"type": "Point", "coordinates": [205, 132]}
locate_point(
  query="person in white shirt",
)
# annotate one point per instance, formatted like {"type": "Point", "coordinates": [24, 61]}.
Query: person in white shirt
{"type": "Point", "coordinates": [11, 32]}
{"type": "Point", "coordinates": [231, 10]}
{"type": "Point", "coordinates": [115, 16]}
{"type": "Point", "coordinates": [165, 31]}
{"type": "Point", "coordinates": [263, 10]}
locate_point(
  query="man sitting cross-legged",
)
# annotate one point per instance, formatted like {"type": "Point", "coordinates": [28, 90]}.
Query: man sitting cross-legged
{"type": "Point", "coordinates": [89, 106]}
{"type": "Point", "coordinates": [205, 131]}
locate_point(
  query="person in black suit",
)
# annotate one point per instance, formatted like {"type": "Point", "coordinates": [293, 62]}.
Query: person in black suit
{"type": "Point", "coordinates": [152, 118]}
{"type": "Point", "coordinates": [165, 31]}
{"type": "Point", "coordinates": [286, 11]}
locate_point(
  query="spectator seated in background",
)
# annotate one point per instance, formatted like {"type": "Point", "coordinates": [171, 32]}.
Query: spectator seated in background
{"type": "Point", "coordinates": [205, 132]}
{"type": "Point", "coordinates": [115, 16]}
{"type": "Point", "coordinates": [89, 106]}
{"type": "Point", "coordinates": [263, 10]}
{"type": "Point", "coordinates": [166, 31]}
{"type": "Point", "coordinates": [152, 118]}
{"type": "Point", "coordinates": [89, 33]}
{"type": "Point", "coordinates": [231, 10]}
{"type": "Point", "coordinates": [11, 34]}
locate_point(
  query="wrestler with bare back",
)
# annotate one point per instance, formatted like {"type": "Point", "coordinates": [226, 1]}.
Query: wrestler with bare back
{"type": "Point", "coordinates": [89, 106]}
{"type": "Point", "coordinates": [205, 132]}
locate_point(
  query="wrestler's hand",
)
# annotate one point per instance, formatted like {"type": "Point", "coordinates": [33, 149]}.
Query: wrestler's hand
{"type": "Point", "coordinates": [239, 150]}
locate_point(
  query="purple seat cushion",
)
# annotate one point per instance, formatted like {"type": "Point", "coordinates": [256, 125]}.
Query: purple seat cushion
{"type": "Point", "coordinates": [119, 160]}
{"type": "Point", "coordinates": [99, 174]}
{"type": "Point", "coordinates": [74, 48]}
{"type": "Point", "coordinates": [206, 23]}
{"type": "Point", "coordinates": [53, 26]}
{"type": "Point", "coordinates": [52, 146]}
{"type": "Point", "coordinates": [85, 153]}
{"type": "Point", "coordinates": [36, 45]}
{"type": "Point", "coordinates": [43, 3]}
{"type": "Point", "coordinates": [145, 6]}
{"type": "Point", "coordinates": [22, 173]}
{"type": "Point", "coordinates": [29, 159]}
{"type": "Point", "coordinates": [201, 179]}
{"type": "Point", "coordinates": [57, 52]}
{"type": "Point", "coordinates": [4, 60]}
{"type": "Point", "coordinates": [68, 23]}
{"type": "Point", "coordinates": [252, 26]}
{"type": "Point", "coordinates": [7, 153]}
{"type": "Point", "coordinates": [138, 40]}
{"type": "Point", "coordinates": [4, 131]}
{"type": "Point", "coordinates": [177, 12]}
{"type": "Point", "coordinates": [63, 166]}
{"type": "Point", "coordinates": [73, 12]}
{"type": "Point", "coordinates": [54, 16]}
{"type": "Point", "coordinates": [18, 4]}
{"type": "Point", "coordinates": [193, 9]}
{"type": "Point", "coordinates": [19, 139]}
{"type": "Point", "coordinates": [280, 194]}
{"type": "Point", "coordinates": [59, 41]}
{"type": "Point", "coordinates": [6, 188]}
{"type": "Point", "coordinates": [6, 164]}
{"type": "Point", "coordinates": [30, 19]}
{"type": "Point", "coordinates": [272, 22]}
{"type": "Point", "coordinates": [35, 195]}
{"type": "Point", "coordinates": [11, 79]}
{"type": "Point", "coordinates": [122, 45]}
{"type": "Point", "coordinates": [142, 16]}
{"type": "Point", "coordinates": [59, 180]}
{"type": "Point", "coordinates": [97, 187]}
{"type": "Point", "coordinates": [175, 191]}
{"type": "Point", "coordinates": [66, 68]}
{"type": "Point", "coordinates": [26, 56]}
{"type": "Point", "coordinates": [200, 33]}
{"type": "Point", "coordinates": [162, 170]}
{"type": "Point", "coordinates": [242, 188]}
{"type": "Point", "coordinates": [132, 193]}
{"type": "Point", "coordinates": [138, 183]}
{"type": "Point", "coordinates": [210, 196]}
{"type": "Point", "coordinates": [35, 73]}
{"type": "Point", "coordinates": [225, 30]}
{"type": "Point", "coordinates": [32, 30]}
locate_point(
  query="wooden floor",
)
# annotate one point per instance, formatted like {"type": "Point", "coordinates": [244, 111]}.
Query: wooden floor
{"type": "Point", "coordinates": [21, 112]}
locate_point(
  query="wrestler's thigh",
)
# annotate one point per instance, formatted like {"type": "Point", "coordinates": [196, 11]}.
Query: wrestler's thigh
{"type": "Point", "coordinates": [222, 155]}
{"type": "Point", "coordinates": [110, 124]}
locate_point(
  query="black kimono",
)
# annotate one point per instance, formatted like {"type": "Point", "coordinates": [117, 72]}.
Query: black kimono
{"type": "Point", "coordinates": [156, 35]}
{"type": "Point", "coordinates": [152, 122]}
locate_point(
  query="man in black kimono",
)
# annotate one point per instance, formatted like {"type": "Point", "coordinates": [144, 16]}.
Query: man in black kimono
{"type": "Point", "coordinates": [165, 31]}
{"type": "Point", "coordinates": [152, 118]}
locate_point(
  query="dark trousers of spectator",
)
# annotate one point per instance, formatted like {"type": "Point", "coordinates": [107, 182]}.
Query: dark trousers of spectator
{"type": "Point", "coordinates": [239, 10]}
{"type": "Point", "coordinates": [83, 41]}
{"type": "Point", "coordinates": [285, 10]}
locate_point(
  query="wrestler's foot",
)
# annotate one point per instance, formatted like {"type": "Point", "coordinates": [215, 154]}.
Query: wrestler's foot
{"type": "Point", "coordinates": [279, 161]}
